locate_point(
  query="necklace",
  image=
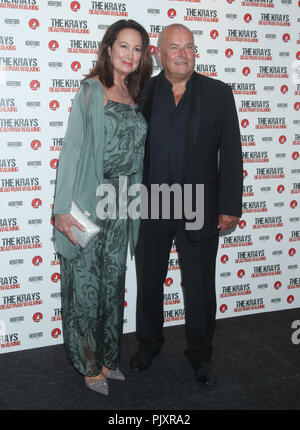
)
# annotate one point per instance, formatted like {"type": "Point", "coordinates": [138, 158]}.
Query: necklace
{"type": "Point", "coordinates": [124, 95]}
{"type": "Point", "coordinates": [122, 89]}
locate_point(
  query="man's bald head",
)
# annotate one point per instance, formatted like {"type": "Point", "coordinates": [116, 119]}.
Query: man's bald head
{"type": "Point", "coordinates": [168, 29]}
{"type": "Point", "coordinates": [176, 52]}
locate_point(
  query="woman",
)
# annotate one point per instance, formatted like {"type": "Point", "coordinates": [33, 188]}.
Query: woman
{"type": "Point", "coordinates": [104, 140]}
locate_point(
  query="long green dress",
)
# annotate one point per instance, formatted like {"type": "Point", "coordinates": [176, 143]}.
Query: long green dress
{"type": "Point", "coordinates": [93, 285]}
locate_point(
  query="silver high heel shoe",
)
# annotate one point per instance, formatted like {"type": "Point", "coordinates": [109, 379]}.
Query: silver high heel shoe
{"type": "Point", "coordinates": [98, 385]}
{"type": "Point", "coordinates": [114, 374]}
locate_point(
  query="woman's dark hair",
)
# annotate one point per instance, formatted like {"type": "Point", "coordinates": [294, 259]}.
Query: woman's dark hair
{"type": "Point", "coordinates": [104, 68]}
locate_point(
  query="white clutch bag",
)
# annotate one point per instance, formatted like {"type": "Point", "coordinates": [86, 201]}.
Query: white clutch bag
{"type": "Point", "coordinates": [83, 237]}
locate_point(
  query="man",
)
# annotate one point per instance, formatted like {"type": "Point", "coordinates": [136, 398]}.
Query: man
{"type": "Point", "coordinates": [193, 139]}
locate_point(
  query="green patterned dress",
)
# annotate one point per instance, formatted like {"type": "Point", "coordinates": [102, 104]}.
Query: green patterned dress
{"type": "Point", "coordinates": [93, 285]}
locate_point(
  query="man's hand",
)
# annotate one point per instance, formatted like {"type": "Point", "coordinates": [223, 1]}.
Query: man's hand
{"type": "Point", "coordinates": [227, 221]}
{"type": "Point", "coordinates": [64, 222]}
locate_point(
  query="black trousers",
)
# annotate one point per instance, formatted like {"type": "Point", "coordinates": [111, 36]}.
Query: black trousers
{"type": "Point", "coordinates": [197, 261]}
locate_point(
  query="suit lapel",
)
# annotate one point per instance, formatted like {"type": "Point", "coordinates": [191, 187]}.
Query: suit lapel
{"type": "Point", "coordinates": [195, 117]}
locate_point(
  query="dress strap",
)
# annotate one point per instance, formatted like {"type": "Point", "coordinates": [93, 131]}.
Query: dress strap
{"type": "Point", "coordinates": [105, 93]}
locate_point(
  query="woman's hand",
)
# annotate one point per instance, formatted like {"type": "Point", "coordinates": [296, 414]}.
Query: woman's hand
{"type": "Point", "coordinates": [64, 222]}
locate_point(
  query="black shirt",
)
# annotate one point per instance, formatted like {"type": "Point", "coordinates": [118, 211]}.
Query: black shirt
{"type": "Point", "coordinates": [168, 133]}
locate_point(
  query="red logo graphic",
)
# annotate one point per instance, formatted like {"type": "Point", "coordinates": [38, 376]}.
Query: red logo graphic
{"type": "Point", "coordinates": [53, 45]}
{"type": "Point", "coordinates": [293, 204]}
{"type": "Point", "coordinates": [223, 308]}
{"type": "Point", "coordinates": [152, 49]}
{"type": "Point", "coordinates": [230, 1]}
{"type": "Point", "coordinates": [214, 34]}
{"type": "Point", "coordinates": [290, 299]}
{"type": "Point", "coordinates": [245, 174]}
{"type": "Point", "coordinates": [279, 237]}
{"type": "Point", "coordinates": [35, 144]}
{"type": "Point", "coordinates": [36, 203]}
{"type": "Point", "coordinates": [242, 224]}
{"type": "Point", "coordinates": [297, 106]}
{"type": "Point", "coordinates": [56, 332]}
{"type": "Point", "coordinates": [286, 37]}
{"type": "Point", "coordinates": [168, 282]}
{"type": "Point", "coordinates": [75, 6]}
{"type": "Point", "coordinates": [295, 155]}
{"type": "Point", "coordinates": [37, 317]}
{"type": "Point", "coordinates": [280, 189]}
{"type": "Point", "coordinates": [292, 252]}
{"type": "Point", "coordinates": [171, 13]}
{"type": "Point", "coordinates": [125, 304]}
{"type": "Point", "coordinates": [247, 17]}
{"type": "Point", "coordinates": [34, 24]}
{"type": "Point", "coordinates": [75, 66]}
{"type": "Point", "coordinates": [54, 163]}
{"type": "Point", "coordinates": [284, 89]}
{"type": "Point", "coordinates": [277, 285]}
{"type": "Point", "coordinates": [244, 123]}
{"type": "Point", "coordinates": [298, 55]}
{"type": "Point", "coordinates": [282, 140]}
{"type": "Point", "coordinates": [34, 85]}
{"type": "Point", "coordinates": [229, 53]}
{"type": "Point", "coordinates": [241, 273]}
{"type": "Point", "coordinates": [224, 259]}
{"type": "Point", "coordinates": [54, 105]}
{"type": "Point", "coordinates": [37, 260]}
{"type": "Point", "coordinates": [55, 277]}
{"type": "Point", "coordinates": [246, 71]}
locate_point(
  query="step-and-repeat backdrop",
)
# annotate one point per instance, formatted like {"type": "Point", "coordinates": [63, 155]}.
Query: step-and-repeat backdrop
{"type": "Point", "coordinates": [45, 49]}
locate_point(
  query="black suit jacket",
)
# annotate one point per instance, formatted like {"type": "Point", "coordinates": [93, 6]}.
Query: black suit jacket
{"type": "Point", "coordinates": [213, 154]}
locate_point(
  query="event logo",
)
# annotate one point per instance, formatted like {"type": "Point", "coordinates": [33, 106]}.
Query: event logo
{"type": "Point", "coordinates": [235, 290]}
{"type": "Point", "coordinates": [284, 89]}
{"type": "Point", "coordinates": [36, 203]}
{"type": "Point", "coordinates": [224, 259]}
{"type": "Point", "coordinates": [201, 15]}
{"type": "Point", "coordinates": [245, 123]}
{"type": "Point", "coordinates": [241, 273]}
{"type": "Point", "coordinates": [55, 333]}
{"type": "Point", "coordinates": [168, 282]}
{"type": "Point", "coordinates": [35, 85]}
{"type": "Point", "coordinates": [261, 54]}
{"type": "Point", "coordinates": [34, 24]}
{"type": "Point", "coordinates": [248, 18]}
{"type": "Point", "coordinates": [37, 317]}
{"type": "Point", "coordinates": [223, 308]}
{"type": "Point", "coordinates": [55, 277]}
{"type": "Point", "coordinates": [53, 45]}
{"type": "Point", "coordinates": [35, 144]}
{"type": "Point", "coordinates": [37, 260]}
{"type": "Point", "coordinates": [229, 53]}
{"type": "Point", "coordinates": [286, 37]}
{"type": "Point", "coordinates": [279, 237]}
{"type": "Point", "coordinates": [54, 163]}
{"type": "Point", "coordinates": [292, 252]}
{"type": "Point", "coordinates": [246, 71]}
{"type": "Point", "coordinates": [171, 13]}
{"type": "Point", "coordinates": [293, 204]}
{"type": "Point", "coordinates": [54, 105]}
{"type": "Point", "coordinates": [75, 6]}
{"type": "Point", "coordinates": [75, 66]}
{"type": "Point", "coordinates": [214, 34]}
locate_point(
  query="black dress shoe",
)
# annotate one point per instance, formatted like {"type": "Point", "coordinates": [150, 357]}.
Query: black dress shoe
{"type": "Point", "coordinates": [142, 360]}
{"type": "Point", "coordinates": [204, 374]}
